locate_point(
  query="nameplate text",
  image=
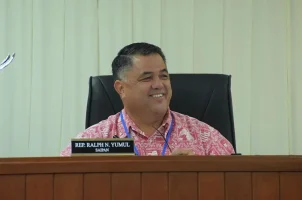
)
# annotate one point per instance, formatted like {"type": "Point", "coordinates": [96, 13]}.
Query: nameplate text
{"type": "Point", "coordinates": [95, 146]}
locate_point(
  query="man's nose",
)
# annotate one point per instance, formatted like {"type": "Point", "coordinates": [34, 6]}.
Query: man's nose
{"type": "Point", "coordinates": [157, 83]}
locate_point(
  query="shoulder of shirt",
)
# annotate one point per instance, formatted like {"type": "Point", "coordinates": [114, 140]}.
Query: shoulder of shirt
{"type": "Point", "coordinates": [94, 130]}
{"type": "Point", "coordinates": [206, 132]}
{"type": "Point", "coordinates": [188, 120]}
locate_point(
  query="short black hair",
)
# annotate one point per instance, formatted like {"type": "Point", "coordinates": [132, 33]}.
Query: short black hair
{"type": "Point", "coordinates": [124, 58]}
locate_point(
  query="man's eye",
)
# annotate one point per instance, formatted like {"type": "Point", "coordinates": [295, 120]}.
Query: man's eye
{"type": "Point", "coordinates": [164, 76]}
{"type": "Point", "coordinates": [146, 79]}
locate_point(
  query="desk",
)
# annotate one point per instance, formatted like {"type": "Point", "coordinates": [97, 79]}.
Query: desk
{"type": "Point", "coordinates": [150, 178]}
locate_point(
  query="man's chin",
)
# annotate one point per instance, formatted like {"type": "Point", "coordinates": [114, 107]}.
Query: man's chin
{"type": "Point", "coordinates": [160, 110]}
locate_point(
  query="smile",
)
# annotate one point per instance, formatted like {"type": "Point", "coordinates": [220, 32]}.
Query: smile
{"type": "Point", "coordinates": [157, 95]}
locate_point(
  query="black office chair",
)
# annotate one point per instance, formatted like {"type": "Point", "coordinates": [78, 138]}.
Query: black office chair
{"type": "Point", "coordinates": [206, 97]}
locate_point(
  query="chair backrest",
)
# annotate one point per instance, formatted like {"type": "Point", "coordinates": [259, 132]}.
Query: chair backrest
{"type": "Point", "coordinates": [206, 97]}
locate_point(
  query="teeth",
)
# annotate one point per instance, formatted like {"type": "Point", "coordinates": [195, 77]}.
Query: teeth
{"type": "Point", "coordinates": [157, 95]}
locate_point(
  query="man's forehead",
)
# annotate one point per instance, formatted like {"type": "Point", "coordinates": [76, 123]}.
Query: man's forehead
{"type": "Point", "coordinates": [155, 71]}
{"type": "Point", "coordinates": [152, 63]}
{"type": "Point", "coordinates": [146, 59]}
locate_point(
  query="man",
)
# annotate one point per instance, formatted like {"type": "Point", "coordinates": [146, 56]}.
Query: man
{"type": "Point", "coordinates": [142, 80]}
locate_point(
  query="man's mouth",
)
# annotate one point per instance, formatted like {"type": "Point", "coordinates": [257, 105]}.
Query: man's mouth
{"type": "Point", "coordinates": [157, 95]}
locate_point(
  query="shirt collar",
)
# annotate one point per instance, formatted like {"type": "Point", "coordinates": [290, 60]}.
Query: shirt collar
{"type": "Point", "coordinates": [163, 128]}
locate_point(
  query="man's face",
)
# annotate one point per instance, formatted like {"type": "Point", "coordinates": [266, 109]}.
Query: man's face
{"type": "Point", "coordinates": [147, 87]}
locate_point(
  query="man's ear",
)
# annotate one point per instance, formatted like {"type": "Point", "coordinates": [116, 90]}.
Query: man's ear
{"type": "Point", "coordinates": [119, 88]}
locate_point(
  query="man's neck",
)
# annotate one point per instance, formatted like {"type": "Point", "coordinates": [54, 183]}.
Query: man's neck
{"type": "Point", "coordinates": [146, 123]}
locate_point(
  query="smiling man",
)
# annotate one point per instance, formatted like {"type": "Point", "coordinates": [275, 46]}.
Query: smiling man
{"type": "Point", "coordinates": [142, 80]}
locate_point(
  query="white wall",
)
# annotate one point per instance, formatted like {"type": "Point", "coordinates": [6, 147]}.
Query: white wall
{"type": "Point", "coordinates": [60, 43]}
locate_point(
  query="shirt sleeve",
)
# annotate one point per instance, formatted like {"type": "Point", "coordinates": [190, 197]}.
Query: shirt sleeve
{"type": "Point", "coordinates": [218, 144]}
{"type": "Point", "coordinates": [91, 132]}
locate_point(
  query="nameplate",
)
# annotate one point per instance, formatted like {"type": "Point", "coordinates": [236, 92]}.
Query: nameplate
{"type": "Point", "coordinates": [99, 147]}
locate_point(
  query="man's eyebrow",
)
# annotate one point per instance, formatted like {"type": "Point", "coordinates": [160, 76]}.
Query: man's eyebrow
{"type": "Point", "coordinates": [150, 73]}
{"type": "Point", "coordinates": [146, 73]}
{"type": "Point", "coordinates": [164, 70]}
